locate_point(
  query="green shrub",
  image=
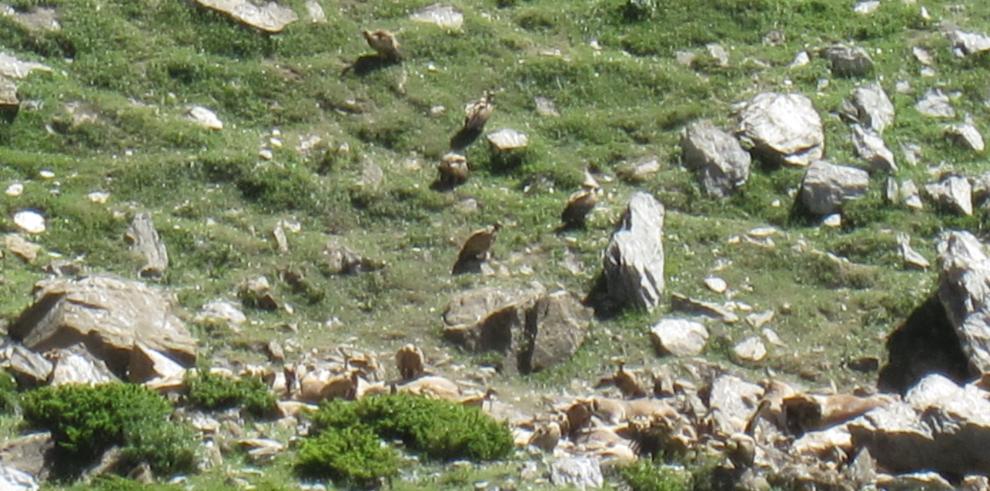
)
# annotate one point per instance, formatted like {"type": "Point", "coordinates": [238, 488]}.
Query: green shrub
{"type": "Point", "coordinates": [645, 475]}
{"type": "Point", "coordinates": [438, 429]}
{"type": "Point", "coordinates": [213, 391]}
{"type": "Point", "coordinates": [85, 421]}
{"type": "Point", "coordinates": [8, 392]}
{"type": "Point", "coordinates": [353, 455]}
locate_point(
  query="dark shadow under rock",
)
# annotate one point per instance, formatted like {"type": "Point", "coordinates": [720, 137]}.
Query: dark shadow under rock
{"type": "Point", "coordinates": [463, 138]}
{"type": "Point", "coordinates": [926, 343]}
{"type": "Point", "coordinates": [367, 64]}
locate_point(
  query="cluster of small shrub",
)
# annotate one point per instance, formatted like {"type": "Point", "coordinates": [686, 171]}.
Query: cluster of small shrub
{"type": "Point", "coordinates": [346, 442]}
{"type": "Point", "coordinates": [85, 421]}
{"type": "Point", "coordinates": [214, 391]}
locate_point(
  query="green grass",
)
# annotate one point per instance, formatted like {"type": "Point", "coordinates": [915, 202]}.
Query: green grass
{"type": "Point", "coordinates": [138, 65]}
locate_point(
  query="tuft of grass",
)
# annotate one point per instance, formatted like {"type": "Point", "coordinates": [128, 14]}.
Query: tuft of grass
{"type": "Point", "coordinates": [213, 391]}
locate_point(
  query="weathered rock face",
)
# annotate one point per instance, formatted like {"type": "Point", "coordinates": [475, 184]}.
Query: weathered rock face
{"type": "Point", "coordinates": [556, 326]}
{"type": "Point", "coordinates": [576, 472]}
{"type": "Point", "coordinates": [13, 68]}
{"type": "Point", "coordinates": [733, 401]}
{"type": "Point", "coordinates": [78, 366]}
{"type": "Point", "coordinates": [966, 135]}
{"type": "Point", "coordinates": [848, 61]}
{"type": "Point", "coordinates": [964, 290]}
{"type": "Point", "coordinates": [827, 186]}
{"type": "Point", "coordinates": [145, 242]}
{"type": "Point", "coordinates": [968, 43]}
{"type": "Point", "coordinates": [871, 148]}
{"type": "Point", "coordinates": [14, 480]}
{"type": "Point", "coordinates": [27, 367]}
{"type": "Point", "coordinates": [106, 314]}
{"type": "Point", "coordinates": [28, 454]}
{"type": "Point", "coordinates": [634, 259]}
{"type": "Point", "coordinates": [271, 17]}
{"type": "Point", "coordinates": [533, 329]}
{"type": "Point", "coordinates": [440, 15]}
{"type": "Point", "coordinates": [953, 193]}
{"type": "Point", "coordinates": [679, 337]}
{"type": "Point", "coordinates": [935, 104]}
{"type": "Point", "coordinates": [783, 128]}
{"type": "Point", "coordinates": [872, 108]}
{"type": "Point", "coordinates": [940, 426]}
{"type": "Point", "coordinates": [720, 162]}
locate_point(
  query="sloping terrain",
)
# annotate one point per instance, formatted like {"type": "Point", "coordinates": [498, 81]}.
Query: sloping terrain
{"type": "Point", "coordinates": [331, 148]}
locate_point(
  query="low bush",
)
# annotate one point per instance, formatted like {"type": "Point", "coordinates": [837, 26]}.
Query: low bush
{"type": "Point", "coordinates": [85, 421]}
{"type": "Point", "coordinates": [352, 455]}
{"type": "Point", "coordinates": [645, 475]}
{"type": "Point", "coordinates": [439, 429]}
{"type": "Point", "coordinates": [8, 392]}
{"type": "Point", "coordinates": [213, 391]}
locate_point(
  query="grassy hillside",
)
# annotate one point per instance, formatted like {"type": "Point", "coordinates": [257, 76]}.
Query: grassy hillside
{"type": "Point", "coordinates": [133, 68]}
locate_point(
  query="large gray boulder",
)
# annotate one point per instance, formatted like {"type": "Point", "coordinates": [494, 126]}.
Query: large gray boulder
{"type": "Point", "coordinates": [968, 43]}
{"type": "Point", "coordinates": [633, 260]}
{"type": "Point", "coordinates": [270, 17]}
{"type": "Point", "coordinates": [532, 329]}
{"type": "Point", "coordinates": [827, 186]}
{"type": "Point", "coordinates": [964, 291]}
{"type": "Point", "coordinates": [783, 128]}
{"type": "Point", "coordinates": [870, 106]}
{"type": "Point", "coordinates": [146, 243]}
{"type": "Point", "coordinates": [108, 316]}
{"type": "Point", "coordinates": [716, 157]}
{"type": "Point", "coordinates": [939, 426]}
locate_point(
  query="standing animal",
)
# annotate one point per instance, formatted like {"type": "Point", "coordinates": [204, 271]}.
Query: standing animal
{"type": "Point", "coordinates": [384, 43]}
{"type": "Point", "coordinates": [580, 203]}
{"type": "Point", "coordinates": [477, 113]}
{"type": "Point", "coordinates": [409, 361]}
{"type": "Point", "coordinates": [478, 246]}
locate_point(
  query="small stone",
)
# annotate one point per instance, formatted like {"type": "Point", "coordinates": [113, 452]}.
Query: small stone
{"type": "Point", "coordinates": [266, 154]}
{"type": "Point", "coordinates": [205, 118]}
{"type": "Point", "coordinates": [315, 12]}
{"type": "Point", "coordinates": [98, 197]}
{"type": "Point", "coordinates": [439, 15]}
{"type": "Point", "coordinates": [14, 190]}
{"type": "Point", "coordinates": [912, 259]}
{"type": "Point", "coordinates": [771, 336]}
{"type": "Point", "coordinates": [679, 337]}
{"type": "Point", "coordinates": [867, 7]}
{"type": "Point", "coordinates": [46, 174]}
{"type": "Point", "coordinates": [546, 107]}
{"type": "Point", "coordinates": [832, 221]}
{"type": "Point", "coordinates": [30, 221]}
{"type": "Point", "coordinates": [717, 52]}
{"type": "Point", "coordinates": [800, 59]}
{"type": "Point", "coordinates": [716, 284]}
{"type": "Point", "coordinates": [750, 350]}
{"type": "Point", "coordinates": [759, 319]}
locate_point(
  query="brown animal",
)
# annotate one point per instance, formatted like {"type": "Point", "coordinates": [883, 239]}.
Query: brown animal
{"type": "Point", "coordinates": [384, 43]}
{"type": "Point", "coordinates": [626, 382]}
{"type": "Point", "coordinates": [342, 386]}
{"type": "Point", "coordinates": [453, 169]}
{"type": "Point", "coordinates": [477, 113]}
{"type": "Point", "coordinates": [546, 436]}
{"type": "Point", "coordinates": [409, 361]}
{"type": "Point", "coordinates": [478, 246]}
{"type": "Point", "coordinates": [806, 412]}
{"type": "Point", "coordinates": [580, 203]}
{"type": "Point", "coordinates": [479, 400]}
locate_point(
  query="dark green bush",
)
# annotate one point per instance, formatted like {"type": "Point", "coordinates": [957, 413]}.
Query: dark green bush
{"type": "Point", "coordinates": [213, 391]}
{"type": "Point", "coordinates": [352, 455]}
{"type": "Point", "coordinates": [438, 429]}
{"type": "Point", "coordinates": [85, 421]}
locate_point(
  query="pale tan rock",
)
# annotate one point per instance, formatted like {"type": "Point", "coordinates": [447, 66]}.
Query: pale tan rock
{"type": "Point", "coordinates": [269, 17]}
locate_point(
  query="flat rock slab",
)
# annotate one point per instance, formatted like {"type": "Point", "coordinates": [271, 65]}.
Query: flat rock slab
{"type": "Point", "coordinates": [35, 19]}
{"type": "Point", "coordinates": [8, 96]}
{"type": "Point", "coordinates": [108, 315]}
{"type": "Point", "coordinates": [30, 221]}
{"type": "Point", "coordinates": [271, 17]}
{"type": "Point", "coordinates": [935, 104]}
{"type": "Point", "coordinates": [827, 186]}
{"type": "Point", "coordinates": [507, 139]}
{"type": "Point", "coordinates": [11, 67]}
{"type": "Point", "coordinates": [205, 118]}
{"type": "Point", "coordinates": [440, 15]}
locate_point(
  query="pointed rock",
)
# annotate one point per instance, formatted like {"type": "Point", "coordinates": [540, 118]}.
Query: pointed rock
{"type": "Point", "coordinates": [935, 104]}
{"type": "Point", "coordinates": [145, 242]}
{"type": "Point", "coordinates": [954, 193]}
{"type": "Point", "coordinates": [269, 17]}
{"type": "Point", "coordinates": [966, 135]}
{"type": "Point", "coordinates": [634, 258]}
{"type": "Point", "coordinates": [872, 108]}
